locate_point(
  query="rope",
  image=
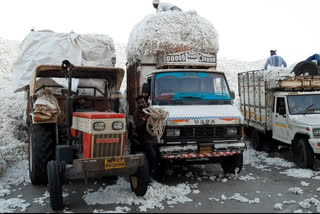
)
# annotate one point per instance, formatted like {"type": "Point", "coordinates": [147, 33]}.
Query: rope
{"type": "Point", "coordinates": [156, 121]}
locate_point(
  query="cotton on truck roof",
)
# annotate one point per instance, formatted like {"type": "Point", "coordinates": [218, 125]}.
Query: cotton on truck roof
{"type": "Point", "coordinates": [168, 32]}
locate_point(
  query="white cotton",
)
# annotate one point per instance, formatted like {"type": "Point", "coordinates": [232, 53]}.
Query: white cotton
{"type": "Point", "coordinates": [278, 206]}
{"type": "Point", "coordinates": [296, 190]}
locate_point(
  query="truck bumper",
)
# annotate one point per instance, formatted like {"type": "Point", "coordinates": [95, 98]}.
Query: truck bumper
{"type": "Point", "coordinates": [116, 165]}
{"type": "Point", "coordinates": [315, 144]}
{"type": "Point", "coordinates": [202, 150]}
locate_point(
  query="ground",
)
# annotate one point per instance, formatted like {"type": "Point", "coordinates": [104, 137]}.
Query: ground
{"type": "Point", "coordinates": [267, 183]}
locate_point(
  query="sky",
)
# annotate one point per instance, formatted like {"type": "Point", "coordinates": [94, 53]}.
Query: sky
{"type": "Point", "coordinates": [248, 29]}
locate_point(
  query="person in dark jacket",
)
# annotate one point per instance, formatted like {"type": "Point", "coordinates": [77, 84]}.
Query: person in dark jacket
{"type": "Point", "coordinates": [144, 142]}
{"type": "Point", "coordinates": [315, 57]}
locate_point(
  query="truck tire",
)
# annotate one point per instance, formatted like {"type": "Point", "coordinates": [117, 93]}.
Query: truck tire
{"type": "Point", "coordinates": [55, 185]}
{"type": "Point", "coordinates": [230, 163]}
{"type": "Point", "coordinates": [305, 67]}
{"type": "Point", "coordinates": [139, 181]}
{"type": "Point", "coordinates": [41, 151]}
{"type": "Point", "coordinates": [256, 140]}
{"type": "Point", "coordinates": [303, 154]}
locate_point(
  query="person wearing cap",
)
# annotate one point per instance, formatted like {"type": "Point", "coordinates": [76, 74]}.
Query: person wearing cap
{"type": "Point", "coordinates": [315, 57]}
{"type": "Point", "coordinates": [163, 6]}
{"type": "Point", "coordinates": [275, 60]}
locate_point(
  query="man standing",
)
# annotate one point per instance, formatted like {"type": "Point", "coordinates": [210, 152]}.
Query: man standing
{"type": "Point", "coordinates": [274, 60]}
{"type": "Point", "coordinates": [144, 141]}
{"type": "Point", "coordinates": [164, 6]}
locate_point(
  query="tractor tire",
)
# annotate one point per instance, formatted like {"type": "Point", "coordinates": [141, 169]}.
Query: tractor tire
{"type": "Point", "coordinates": [41, 150]}
{"type": "Point", "coordinates": [303, 154]}
{"type": "Point", "coordinates": [55, 185]}
{"type": "Point", "coordinates": [305, 67]}
{"type": "Point", "coordinates": [256, 140]}
{"type": "Point", "coordinates": [231, 163]}
{"type": "Point", "coordinates": [139, 181]}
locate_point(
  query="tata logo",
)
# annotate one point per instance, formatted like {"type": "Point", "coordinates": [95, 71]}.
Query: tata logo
{"type": "Point", "coordinates": [204, 122]}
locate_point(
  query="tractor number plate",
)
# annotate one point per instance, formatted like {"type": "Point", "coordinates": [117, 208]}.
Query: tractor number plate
{"type": "Point", "coordinates": [114, 163]}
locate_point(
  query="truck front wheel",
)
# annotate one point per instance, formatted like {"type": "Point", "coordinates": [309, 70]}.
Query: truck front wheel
{"type": "Point", "coordinates": [231, 164]}
{"type": "Point", "coordinates": [41, 151]}
{"type": "Point", "coordinates": [257, 141]}
{"type": "Point", "coordinates": [302, 153]}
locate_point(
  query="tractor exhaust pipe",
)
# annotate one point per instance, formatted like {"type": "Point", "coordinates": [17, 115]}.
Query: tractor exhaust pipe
{"type": "Point", "coordinates": [67, 69]}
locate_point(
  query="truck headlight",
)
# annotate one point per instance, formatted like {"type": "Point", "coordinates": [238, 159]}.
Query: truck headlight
{"type": "Point", "coordinates": [99, 126]}
{"type": "Point", "coordinates": [316, 132]}
{"type": "Point", "coordinates": [118, 125]}
{"type": "Point", "coordinates": [173, 132]}
{"type": "Point", "coordinates": [232, 131]}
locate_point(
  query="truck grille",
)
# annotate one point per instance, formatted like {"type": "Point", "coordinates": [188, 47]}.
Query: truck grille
{"type": "Point", "coordinates": [107, 149]}
{"type": "Point", "coordinates": [203, 132]}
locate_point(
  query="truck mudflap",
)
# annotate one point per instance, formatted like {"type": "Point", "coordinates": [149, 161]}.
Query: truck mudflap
{"type": "Point", "coordinates": [115, 165]}
{"type": "Point", "coordinates": [201, 155]}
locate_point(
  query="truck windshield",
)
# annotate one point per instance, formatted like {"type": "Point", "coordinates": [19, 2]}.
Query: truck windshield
{"type": "Point", "coordinates": [304, 104]}
{"type": "Point", "coordinates": [182, 86]}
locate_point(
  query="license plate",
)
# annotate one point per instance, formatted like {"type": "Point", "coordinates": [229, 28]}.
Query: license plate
{"type": "Point", "coordinates": [114, 163]}
{"type": "Point", "coordinates": [204, 149]}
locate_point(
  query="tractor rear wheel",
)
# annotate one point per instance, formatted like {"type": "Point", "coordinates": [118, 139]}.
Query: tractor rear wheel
{"type": "Point", "coordinates": [139, 181]}
{"type": "Point", "coordinates": [41, 151]}
{"type": "Point", "coordinates": [55, 185]}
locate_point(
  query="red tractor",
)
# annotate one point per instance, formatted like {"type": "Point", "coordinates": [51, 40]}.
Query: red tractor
{"type": "Point", "coordinates": [79, 131]}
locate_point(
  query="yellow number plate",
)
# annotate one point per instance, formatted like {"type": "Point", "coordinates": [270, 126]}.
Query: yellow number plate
{"type": "Point", "coordinates": [204, 149]}
{"type": "Point", "coordinates": [114, 163]}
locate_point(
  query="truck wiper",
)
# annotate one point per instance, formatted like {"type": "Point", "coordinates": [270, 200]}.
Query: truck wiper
{"type": "Point", "coordinates": [192, 97]}
{"type": "Point", "coordinates": [307, 109]}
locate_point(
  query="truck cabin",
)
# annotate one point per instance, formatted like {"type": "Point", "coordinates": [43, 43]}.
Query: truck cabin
{"type": "Point", "coordinates": [188, 86]}
{"type": "Point", "coordinates": [97, 90]}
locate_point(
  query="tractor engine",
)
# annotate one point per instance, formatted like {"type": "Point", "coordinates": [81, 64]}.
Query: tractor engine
{"type": "Point", "coordinates": [102, 133]}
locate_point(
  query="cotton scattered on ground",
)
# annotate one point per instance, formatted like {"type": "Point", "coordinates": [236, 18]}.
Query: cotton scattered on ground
{"type": "Point", "coordinates": [296, 190]}
{"type": "Point", "coordinates": [301, 173]}
{"type": "Point", "coordinates": [278, 206]}
{"type": "Point", "coordinates": [13, 205]}
{"type": "Point", "coordinates": [157, 193]}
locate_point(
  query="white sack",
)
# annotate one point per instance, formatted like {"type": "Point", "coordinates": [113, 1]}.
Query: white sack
{"type": "Point", "coordinates": [50, 48]}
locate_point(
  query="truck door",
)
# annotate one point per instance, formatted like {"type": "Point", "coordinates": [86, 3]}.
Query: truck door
{"type": "Point", "coordinates": [280, 129]}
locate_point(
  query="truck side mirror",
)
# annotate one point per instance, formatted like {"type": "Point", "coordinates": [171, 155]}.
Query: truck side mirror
{"type": "Point", "coordinates": [146, 90]}
{"type": "Point", "coordinates": [232, 95]}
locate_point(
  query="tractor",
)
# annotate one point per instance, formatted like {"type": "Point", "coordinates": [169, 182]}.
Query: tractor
{"type": "Point", "coordinates": [79, 129]}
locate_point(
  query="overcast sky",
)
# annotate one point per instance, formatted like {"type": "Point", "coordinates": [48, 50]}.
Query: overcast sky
{"type": "Point", "coordinates": [247, 29]}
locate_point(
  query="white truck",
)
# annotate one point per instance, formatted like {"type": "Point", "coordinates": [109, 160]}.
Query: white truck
{"type": "Point", "coordinates": [203, 124]}
{"type": "Point", "coordinates": [285, 107]}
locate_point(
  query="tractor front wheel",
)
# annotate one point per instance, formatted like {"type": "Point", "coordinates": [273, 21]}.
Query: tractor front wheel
{"type": "Point", "coordinates": [139, 181]}
{"type": "Point", "coordinates": [55, 185]}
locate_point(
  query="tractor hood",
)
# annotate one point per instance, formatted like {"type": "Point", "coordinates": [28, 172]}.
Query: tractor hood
{"type": "Point", "coordinates": [202, 115]}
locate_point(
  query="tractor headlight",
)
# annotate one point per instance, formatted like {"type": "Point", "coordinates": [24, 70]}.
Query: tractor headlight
{"type": "Point", "coordinates": [99, 126]}
{"type": "Point", "coordinates": [232, 131]}
{"type": "Point", "coordinates": [173, 132]}
{"type": "Point", "coordinates": [316, 132]}
{"type": "Point", "coordinates": [118, 125]}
